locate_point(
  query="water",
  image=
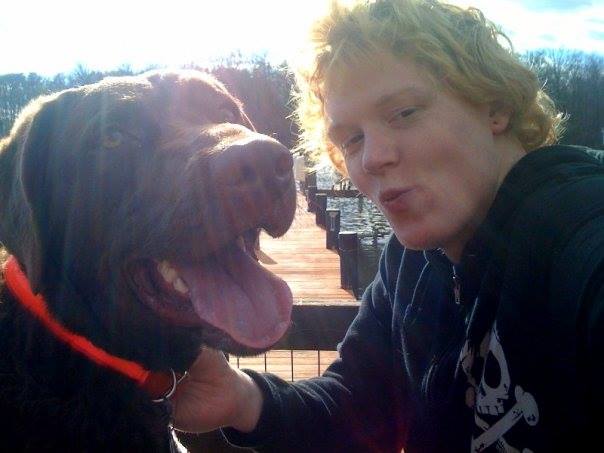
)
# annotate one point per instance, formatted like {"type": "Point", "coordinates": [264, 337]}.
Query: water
{"type": "Point", "coordinates": [362, 216]}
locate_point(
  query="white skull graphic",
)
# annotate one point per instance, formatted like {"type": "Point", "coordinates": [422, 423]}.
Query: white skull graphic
{"type": "Point", "coordinates": [494, 386]}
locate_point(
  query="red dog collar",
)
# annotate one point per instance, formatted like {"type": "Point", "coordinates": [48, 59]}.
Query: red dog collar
{"type": "Point", "coordinates": [159, 385]}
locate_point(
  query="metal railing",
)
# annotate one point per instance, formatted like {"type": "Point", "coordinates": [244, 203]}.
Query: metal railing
{"type": "Point", "coordinates": [316, 327]}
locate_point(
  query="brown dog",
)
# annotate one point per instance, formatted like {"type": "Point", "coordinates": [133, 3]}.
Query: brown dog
{"type": "Point", "coordinates": [132, 205]}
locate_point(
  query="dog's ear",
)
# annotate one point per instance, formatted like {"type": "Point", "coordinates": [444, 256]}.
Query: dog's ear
{"type": "Point", "coordinates": [35, 181]}
{"type": "Point", "coordinates": [25, 159]}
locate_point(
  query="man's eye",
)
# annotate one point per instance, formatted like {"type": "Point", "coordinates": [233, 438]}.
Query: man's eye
{"type": "Point", "coordinates": [402, 114]}
{"type": "Point", "coordinates": [349, 145]}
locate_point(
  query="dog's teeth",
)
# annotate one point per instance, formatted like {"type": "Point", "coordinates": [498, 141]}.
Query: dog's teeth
{"type": "Point", "coordinates": [167, 272]}
{"type": "Point", "coordinates": [241, 243]}
{"type": "Point", "coordinates": [180, 286]}
{"type": "Point", "coordinates": [170, 275]}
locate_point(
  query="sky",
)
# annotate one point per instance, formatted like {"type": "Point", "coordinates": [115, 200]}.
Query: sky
{"type": "Point", "coordinates": [49, 37]}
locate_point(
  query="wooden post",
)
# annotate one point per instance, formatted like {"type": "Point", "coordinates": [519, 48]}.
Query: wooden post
{"type": "Point", "coordinates": [332, 228]}
{"type": "Point", "coordinates": [348, 244]}
{"type": "Point", "coordinates": [300, 171]}
{"type": "Point", "coordinates": [310, 180]}
{"type": "Point", "coordinates": [321, 199]}
{"type": "Point", "coordinates": [311, 198]}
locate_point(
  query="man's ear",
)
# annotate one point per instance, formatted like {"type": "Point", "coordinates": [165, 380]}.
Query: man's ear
{"type": "Point", "coordinates": [499, 117]}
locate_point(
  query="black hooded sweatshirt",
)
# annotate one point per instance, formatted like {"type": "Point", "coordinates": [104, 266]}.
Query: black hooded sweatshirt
{"type": "Point", "coordinates": [502, 352]}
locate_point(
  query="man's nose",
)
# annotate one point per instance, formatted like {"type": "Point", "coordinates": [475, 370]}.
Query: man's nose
{"type": "Point", "coordinates": [380, 150]}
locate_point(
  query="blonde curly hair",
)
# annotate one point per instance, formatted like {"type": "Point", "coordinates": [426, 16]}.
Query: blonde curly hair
{"type": "Point", "coordinates": [459, 45]}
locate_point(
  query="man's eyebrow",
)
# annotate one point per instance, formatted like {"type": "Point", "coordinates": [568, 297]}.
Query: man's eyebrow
{"type": "Point", "coordinates": [409, 91]}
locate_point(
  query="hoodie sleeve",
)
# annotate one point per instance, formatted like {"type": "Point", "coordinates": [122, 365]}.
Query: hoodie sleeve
{"type": "Point", "coordinates": [353, 406]}
{"type": "Point", "coordinates": [594, 350]}
{"type": "Point", "coordinates": [579, 278]}
{"type": "Point", "coordinates": [588, 277]}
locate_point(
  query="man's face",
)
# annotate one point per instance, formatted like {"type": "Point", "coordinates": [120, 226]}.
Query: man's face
{"type": "Point", "coordinates": [427, 158]}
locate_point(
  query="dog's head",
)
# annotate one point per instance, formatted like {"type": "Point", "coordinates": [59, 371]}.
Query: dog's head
{"type": "Point", "coordinates": [134, 205]}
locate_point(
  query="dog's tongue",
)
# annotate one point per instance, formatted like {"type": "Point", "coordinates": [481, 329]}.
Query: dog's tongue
{"type": "Point", "coordinates": [235, 294]}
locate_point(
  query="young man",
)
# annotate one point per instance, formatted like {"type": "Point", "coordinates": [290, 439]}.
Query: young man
{"type": "Point", "coordinates": [484, 327]}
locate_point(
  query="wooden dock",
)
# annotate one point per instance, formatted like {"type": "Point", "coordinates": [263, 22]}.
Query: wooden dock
{"type": "Point", "coordinates": [301, 258]}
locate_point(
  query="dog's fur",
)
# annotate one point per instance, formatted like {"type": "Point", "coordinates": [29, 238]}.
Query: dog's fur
{"type": "Point", "coordinates": [163, 166]}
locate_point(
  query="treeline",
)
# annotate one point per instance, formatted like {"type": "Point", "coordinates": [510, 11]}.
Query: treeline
{"type": "Point", "coordinates": [262, 87]}
{"type": "Point", "coordinates": [16, 90]}
{"type": "Point", "coordinates": [575, 80]}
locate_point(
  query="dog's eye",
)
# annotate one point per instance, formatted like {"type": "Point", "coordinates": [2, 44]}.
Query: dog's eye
{"type": "Point", "coordinates": [227, 115]}
{"type": "Point", "coordinates": [112, 138]}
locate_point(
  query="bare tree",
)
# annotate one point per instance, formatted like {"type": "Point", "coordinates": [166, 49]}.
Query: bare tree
{"type": "Point", "coordinates": [575, 80]}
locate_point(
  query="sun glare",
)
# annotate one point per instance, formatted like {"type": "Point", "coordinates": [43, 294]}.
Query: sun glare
{"type": "Point", "coordinates": [62, 34]}
{"type": "Point", "coordinates": [52, 37]}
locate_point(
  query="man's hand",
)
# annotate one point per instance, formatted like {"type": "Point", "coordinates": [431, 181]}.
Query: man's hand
{"type": "Point", "coordinates": [215, 395]}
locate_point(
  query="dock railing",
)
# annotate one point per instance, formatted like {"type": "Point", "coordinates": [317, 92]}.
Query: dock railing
{"type": "Point", "coordinates": [317, 328]}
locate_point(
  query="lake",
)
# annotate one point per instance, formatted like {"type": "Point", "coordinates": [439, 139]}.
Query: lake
{"type": "Point", "coordinates": [363, 217]}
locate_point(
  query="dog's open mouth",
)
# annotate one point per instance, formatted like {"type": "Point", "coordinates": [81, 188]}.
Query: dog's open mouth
{"type": "Point", "coordinates": [229, 291]}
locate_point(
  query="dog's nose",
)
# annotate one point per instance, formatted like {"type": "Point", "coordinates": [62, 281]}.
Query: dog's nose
{"type": "Point", "coordinates": [252, 186]}
{"type": "Point", "coordinates": [260, 163]}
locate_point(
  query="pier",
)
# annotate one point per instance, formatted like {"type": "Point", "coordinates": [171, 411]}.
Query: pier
{"type": "Point", "coordinates": [301, 258]}
{"type": "Point", "coordinates": [322, 309]}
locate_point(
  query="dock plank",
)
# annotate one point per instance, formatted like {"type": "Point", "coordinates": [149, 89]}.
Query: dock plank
{"type": "Point", "coordinates": [302, 260]}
